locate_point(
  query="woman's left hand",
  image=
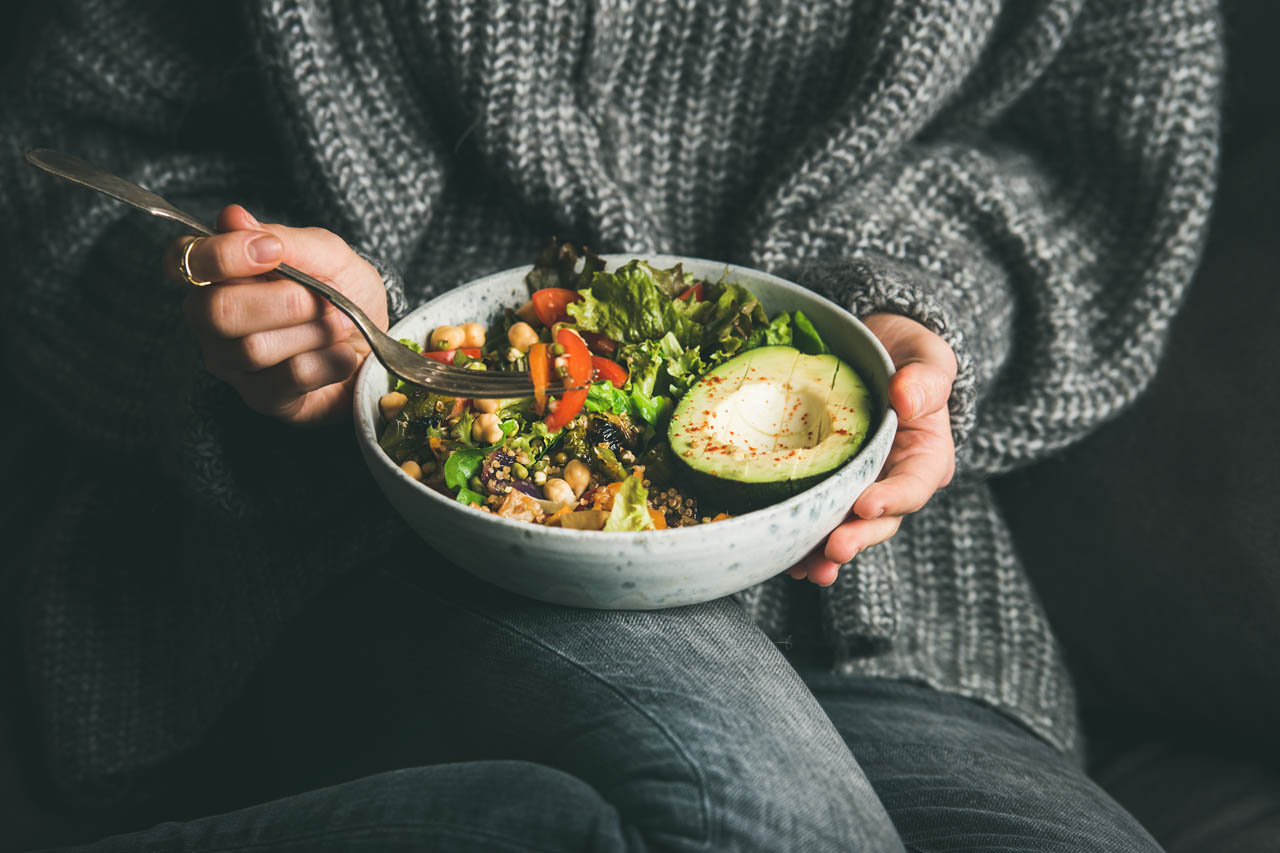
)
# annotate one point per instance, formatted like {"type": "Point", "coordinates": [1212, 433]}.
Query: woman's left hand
{"type": "Point", "coordinates": [922, 459]}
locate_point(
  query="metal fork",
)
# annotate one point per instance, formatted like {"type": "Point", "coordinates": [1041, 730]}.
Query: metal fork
{"type": "Point", "coordinates": [395, 356]}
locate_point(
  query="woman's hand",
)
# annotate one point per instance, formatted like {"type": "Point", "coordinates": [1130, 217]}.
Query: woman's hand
{"type": "Point", "coordinates": [289, 353]}
{"type": "Point", "coordinates": [923, 457]}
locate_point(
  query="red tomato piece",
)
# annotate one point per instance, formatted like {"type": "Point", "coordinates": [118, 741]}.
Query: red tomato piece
{"type": "Point", "coordinates": [600, 344]}
{"type": "Point", "coordinates": [539, 374]}
{"type": "Point", "coordinates": [604, 370]}
{"type": "Point", "coordinates": [549, 304]}
{"type": "Point", "coordinates": [445, 356]}
{"type": "Point", "coordinates": [697, 291]}
{"type": "Point", "coordinates": [578, 367]}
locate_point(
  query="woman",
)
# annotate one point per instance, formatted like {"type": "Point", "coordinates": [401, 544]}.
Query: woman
{"type": "Point", "coordinates": [1013, 195]}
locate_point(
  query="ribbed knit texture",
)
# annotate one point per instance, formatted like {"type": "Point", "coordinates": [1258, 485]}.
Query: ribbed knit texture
{"type": "Point", "coordinates": [1030, 179]}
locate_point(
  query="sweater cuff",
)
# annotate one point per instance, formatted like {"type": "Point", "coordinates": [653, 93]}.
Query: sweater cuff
{"type": "Point", "coordinates": [873, 285]}
{"type": "Point", "coordinates": [397, 302]}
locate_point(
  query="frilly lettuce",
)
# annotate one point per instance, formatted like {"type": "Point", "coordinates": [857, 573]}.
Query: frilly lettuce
{"type": "Point", "coordinates": [635, 304]}
{"type": "Point", "coordinates": [630, 508]}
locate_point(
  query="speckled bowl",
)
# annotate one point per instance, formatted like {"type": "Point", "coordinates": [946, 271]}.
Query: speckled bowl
{"type": "Point", "coordinates": [650, 569]}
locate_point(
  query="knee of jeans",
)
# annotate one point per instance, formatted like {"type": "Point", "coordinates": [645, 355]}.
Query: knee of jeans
{"type": "Point", "coordinates": [779, 790]}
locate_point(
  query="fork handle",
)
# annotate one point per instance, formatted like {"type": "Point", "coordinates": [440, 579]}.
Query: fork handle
{"type": "Point", "coordinates": [88, 175]}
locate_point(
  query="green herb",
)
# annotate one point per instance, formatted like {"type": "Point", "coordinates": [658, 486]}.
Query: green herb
{"type": "Point", "coordinates": [466, 496]}
{"type": "Point", "coordinates": [461, 466]}
{"type": "Point", "coordinates": [807, 339]}
{"type": "Point", "coordinates": [630, 508]}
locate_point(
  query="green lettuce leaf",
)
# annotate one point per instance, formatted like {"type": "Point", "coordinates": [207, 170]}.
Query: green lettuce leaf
{"type": "Point", "coordinates": [630, 510]}
{"type": "Point", "coordinates": [652, 410]}
{"type": "Point", "coordinates": [776, 334]}
{"type": "Point", "coordinates": [729, 317]}
{"type": "Point", "coordinates": [635, 304]}
{"type": "Point", "coordinates": [807, 339]}
{"type": "Point", "coordinates": [663, 366]}
{"type": "Point", "coordinates": [603, 397]}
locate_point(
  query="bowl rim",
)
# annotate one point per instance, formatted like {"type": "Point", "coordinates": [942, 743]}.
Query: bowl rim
{"type": "Point", "coordinates": [367, 436]}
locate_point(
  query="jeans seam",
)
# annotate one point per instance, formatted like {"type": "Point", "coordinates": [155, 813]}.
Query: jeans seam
{"type": "Point", "coordinates": [378, 828]}
{"type": "Point", "coordinates": [704, 807]}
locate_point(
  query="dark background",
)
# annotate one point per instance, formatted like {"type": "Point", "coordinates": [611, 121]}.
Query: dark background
{"type": "Point", "coordinates": [1154, 542]}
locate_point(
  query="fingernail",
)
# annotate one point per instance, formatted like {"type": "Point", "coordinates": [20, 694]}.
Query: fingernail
{"type": "Point", "coordinates": [265, 249]}
{"type": "Point", "coordinates": [879, 511]}
{"type": "Point", "coordinates": [917, 400]}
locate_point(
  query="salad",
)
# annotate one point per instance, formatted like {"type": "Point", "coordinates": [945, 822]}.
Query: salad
{"type": "Point", "coordinates": [698, 403]}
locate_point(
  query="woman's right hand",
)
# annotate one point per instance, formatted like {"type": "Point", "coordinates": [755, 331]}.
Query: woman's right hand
{"type": "Point", "coordinates": [289, 352]}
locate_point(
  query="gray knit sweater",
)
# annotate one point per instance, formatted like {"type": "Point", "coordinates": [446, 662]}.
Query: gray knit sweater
{"type": "Point", "coordinates": [1028, 178]}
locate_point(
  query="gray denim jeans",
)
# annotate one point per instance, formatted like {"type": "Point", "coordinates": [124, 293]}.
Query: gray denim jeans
{"type": "Point", "coordinates": [555, 728]}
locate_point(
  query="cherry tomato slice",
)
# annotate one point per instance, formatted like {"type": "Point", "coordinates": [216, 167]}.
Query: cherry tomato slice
{"type": "Point", "coordinates": [604, 370]}
{"type": "Point", "coordinates": [578, 362]}
{"type": "Point", "coordinates": [697, 291]}
{"type": "Point", "coordinates": [445, 356]}
{"type": "Point", "coordinates": [539, 374]}
{"type": "Point", "coordinates": [600, 344]}
{"type": "Point", "coordinates": [549, 304]}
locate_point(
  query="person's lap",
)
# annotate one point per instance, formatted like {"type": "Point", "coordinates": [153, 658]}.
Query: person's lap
{"type": "Point", "coordinates": [501, 722]}
{"type": "Point", "coordinates": [560, 728]}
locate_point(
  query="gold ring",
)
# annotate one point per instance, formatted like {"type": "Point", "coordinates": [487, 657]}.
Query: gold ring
{"type": "Point", "coordinates": [184, 265]}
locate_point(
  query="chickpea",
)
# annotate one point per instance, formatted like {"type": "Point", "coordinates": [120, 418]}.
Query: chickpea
{"type": "Point", "coordinates": [522, 336]}
{"type": "Point", "coordinates": [559, 491]}
{"type": "Point", "coordinates": [413, 469]}
{"type": "Point", "coordinates": [486, 428]}
{"type": "Point", "coordinates": [446, 337]}
{"type": "Point", "coordinates": [578, 476]}
{"type": "Point", "coordinates": [488, 407]}
{"type": "Point", "coordinates": [472, 335]}
{"type": "Point", "coordinates": [391, 404]}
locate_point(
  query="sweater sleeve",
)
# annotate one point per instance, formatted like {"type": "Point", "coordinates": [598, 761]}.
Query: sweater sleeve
{"type": "Point", "coordinates": [1045, 223]}
{"type": "Point", "coordinates": [183, 529]}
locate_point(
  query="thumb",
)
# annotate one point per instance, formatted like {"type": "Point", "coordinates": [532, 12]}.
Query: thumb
{"type": "Point", "coordinates": [926, 365]}
{"type": "Point", "coordinates": [919, 389]}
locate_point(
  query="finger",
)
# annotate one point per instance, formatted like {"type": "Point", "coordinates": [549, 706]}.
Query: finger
{"type": "Point", "coordinates": [920, 464]}
{"type": "Point", "coordinates": [273, 390]}
{"type": "Point", "coordinates": [260, 350]}
{"type": "Point", "coordinates": [236, 254]}
{"type": "Point", "coordinates": [907, 342]}
{"type": "Point", "coordinates": [919, 388]}
{"type": "Point", "coordinates": [239, 308]}
{"type": "Point", "coordinates": [821, 571]}
{"type": "Point", "coordinates": [313, 250]}
{"type": "Point", "coordinates": [852, 537]}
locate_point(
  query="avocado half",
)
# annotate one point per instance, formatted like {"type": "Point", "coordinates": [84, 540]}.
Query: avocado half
{"type": "Point", "coordinates": [768, 424]}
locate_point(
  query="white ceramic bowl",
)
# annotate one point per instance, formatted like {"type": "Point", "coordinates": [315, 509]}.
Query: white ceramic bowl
{"type": "Point", "coordinates": [638, 570]}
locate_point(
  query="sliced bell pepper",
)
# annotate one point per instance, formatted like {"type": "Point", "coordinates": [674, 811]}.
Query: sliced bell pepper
{"type": "Point", "coordinates": [539, 375]}
{"type": "Point", "coordinates": [549, 304]}
{"type": "Point", "coordinates": [697, 291]}
{"type": "Point", "coordinates": [578, 370]}
{"type": "Point", "coordinates": [604, 370]}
